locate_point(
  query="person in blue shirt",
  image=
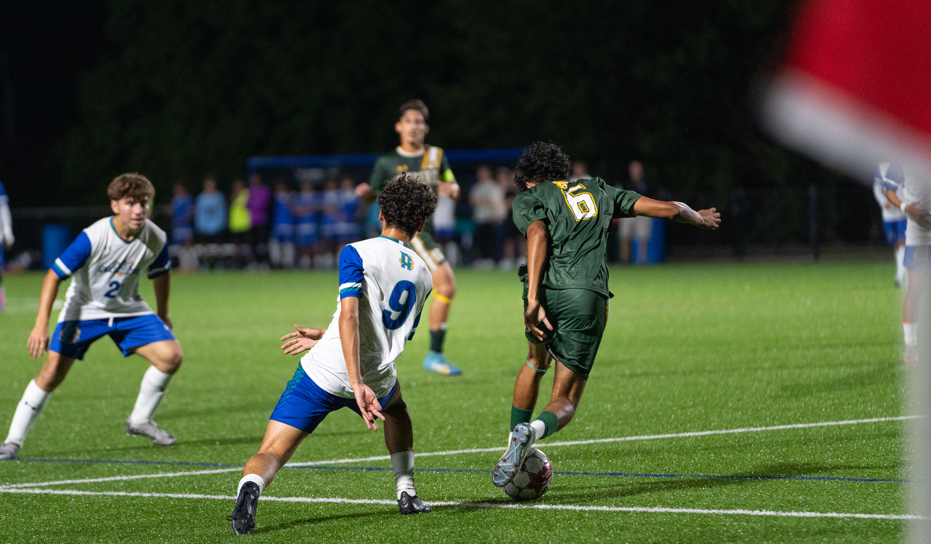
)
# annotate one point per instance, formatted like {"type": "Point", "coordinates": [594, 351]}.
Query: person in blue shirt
{"type": "Point", "coordinates": [182, 216]}
{"type": "Point", "coordinates": [281, 243]}
{"type": "Point", "coordinates": [210, 220]}
{"type": "Point", "coordinates": [307, 207]}
{"type": "Point", "coordinates": [210, 213]}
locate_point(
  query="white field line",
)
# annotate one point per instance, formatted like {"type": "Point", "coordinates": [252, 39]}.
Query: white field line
{"type": "Point", "coordinates": [565, 507]}
{"type": "Point", "coordinates": [482, 450]}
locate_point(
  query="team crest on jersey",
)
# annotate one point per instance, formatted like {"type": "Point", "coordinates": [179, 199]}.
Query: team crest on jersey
{"type": "Point", "coordinates": [562, 184]}
{"type": "Point", "coordinates": [402, 168]}
{"type": "Point", "coordinates": [118, 267]}
{"type": "Point", "coordinates": [407, 261]}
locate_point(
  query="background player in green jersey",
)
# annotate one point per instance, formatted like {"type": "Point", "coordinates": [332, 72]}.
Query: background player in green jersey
{"type": "Point", "coordinates": [430, 166]}
{"type": "Point", "coordinates": [566, 285]}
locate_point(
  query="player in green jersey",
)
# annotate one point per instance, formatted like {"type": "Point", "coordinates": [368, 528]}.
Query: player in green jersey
{"type": "Point", "coordinates": [566, 285]}
{"type": "Point", "coordinates": [428, 164]}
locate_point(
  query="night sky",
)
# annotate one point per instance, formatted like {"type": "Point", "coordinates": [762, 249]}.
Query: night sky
{"type": "Point", "coordinates": [45, 46]}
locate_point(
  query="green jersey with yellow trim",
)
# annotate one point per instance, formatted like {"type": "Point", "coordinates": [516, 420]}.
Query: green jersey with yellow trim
{"type": "Point", "coordinates": [577, 215]}
{"type": "Point", "coordinates": [430, 167]}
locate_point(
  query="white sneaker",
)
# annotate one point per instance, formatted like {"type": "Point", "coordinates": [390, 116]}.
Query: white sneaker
{"type": "Point", "coordinates": [8, 451]}
{"type": "Point", "coordinates": [150, 430]}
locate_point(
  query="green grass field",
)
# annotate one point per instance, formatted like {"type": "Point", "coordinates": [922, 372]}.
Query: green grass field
{"type": "Point", "coordinates": [689, 348]}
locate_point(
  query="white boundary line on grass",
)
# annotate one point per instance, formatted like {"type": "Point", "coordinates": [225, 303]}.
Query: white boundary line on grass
{"type": "Point", "coordinates": [565, 507]}
{"type": "Point", "coordinates": [480, 450]}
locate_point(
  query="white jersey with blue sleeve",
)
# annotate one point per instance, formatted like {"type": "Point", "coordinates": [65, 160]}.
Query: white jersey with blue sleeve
{"type": "Point", "coordinates": [392, 283]}
{"type": "Point", "coordinates": [889, 176]}
{"type": "Point", "coordinates": [6, 220]}
{"type": "Point", "coordinates": [105, 271]}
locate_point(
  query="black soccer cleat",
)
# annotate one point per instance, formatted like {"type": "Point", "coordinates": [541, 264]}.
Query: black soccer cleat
{"type": "Point", "coordinates": [243, 516]}
{"type": "Point", "coordinates": [412, 505]}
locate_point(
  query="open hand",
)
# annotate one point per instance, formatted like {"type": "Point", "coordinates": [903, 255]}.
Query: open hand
{"type": "Point", "coordinates": [711, 219]}
{"type": "Point", "coordinates": [38, 341]}
{"type": "Point", "coordinates": [368, 405]}
{"type": "Point", "coordinates": [535, 316]}
{"type": "Point", "coordinates": [363, 190]}
{"type": "Point", "coordinates": [302, 340]}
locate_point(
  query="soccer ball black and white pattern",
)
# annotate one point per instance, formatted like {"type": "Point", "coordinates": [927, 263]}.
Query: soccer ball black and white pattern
{"type": "Point", "coordinates": [533, 478]}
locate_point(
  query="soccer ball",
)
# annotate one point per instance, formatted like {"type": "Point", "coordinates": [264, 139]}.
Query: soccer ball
{"type": "Point", "coordinates": [533, 478]}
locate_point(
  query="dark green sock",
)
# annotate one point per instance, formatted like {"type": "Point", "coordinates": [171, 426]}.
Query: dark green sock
{"type": "Point", "coordinates": [436, 340]}
{"type": "Point", "coordinates": [519, 415]}
{"type": "Point", "coordinates": [551, 421]}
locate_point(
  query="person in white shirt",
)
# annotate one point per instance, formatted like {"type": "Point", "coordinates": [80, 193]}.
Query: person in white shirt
{"type": "Point", "coordinates": [6, 238]}
{"type": "Point", "coordinates": [894, 219]}
{"type": "Point", "coordinates": [915, 201]}
{"type": "Point", "coordinates": [105, 262]}
{"type": "Point", "coordinates": [383, 284]}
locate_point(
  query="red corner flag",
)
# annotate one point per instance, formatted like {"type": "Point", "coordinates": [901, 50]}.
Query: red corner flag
{"type": "Point", "coordinates": [855, 88]}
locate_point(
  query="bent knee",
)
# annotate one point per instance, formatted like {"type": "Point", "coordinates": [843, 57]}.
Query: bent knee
{"type": "Point", "coordinates": [447, 290]}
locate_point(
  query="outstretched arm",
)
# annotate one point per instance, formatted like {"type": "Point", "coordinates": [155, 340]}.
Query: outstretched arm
{"type": "Point", "coordinates": [537, 244]}
{"type": "Point", "coordinates": [678, 211]}
{"type": "Point", "coordinates": [302, 340]}
{"type": "Point", "coordinates": [349, 338]}
{"type": "Point", "coordinates": [38, 338]}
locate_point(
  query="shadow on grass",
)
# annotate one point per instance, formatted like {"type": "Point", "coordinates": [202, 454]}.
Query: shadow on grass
{"type": "Point", "coordinates": [850, 380]}
{"type": "Point", "coordinates": [623, 489]}
{"type": "Point", "coordinates": [309, 521]}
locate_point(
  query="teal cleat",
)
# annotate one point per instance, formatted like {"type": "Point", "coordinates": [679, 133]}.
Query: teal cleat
{"type": "Point", "coordinates": [437, 362]}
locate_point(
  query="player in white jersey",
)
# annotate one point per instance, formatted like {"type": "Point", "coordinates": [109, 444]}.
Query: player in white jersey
{"type": "Point", "coordinates": [894, 219]}
{"type": "Point", "coordinates": [105, 262]}
{"type": "Point", "coordinates": [383, 285]}
{"type": "Point", "coordinates": [6, 238]}
{"type": "Point", "coordinates": [915, 201]}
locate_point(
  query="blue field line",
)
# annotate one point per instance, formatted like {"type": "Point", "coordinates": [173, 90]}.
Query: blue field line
{"type": "Point", "coordinates": [467, 470]}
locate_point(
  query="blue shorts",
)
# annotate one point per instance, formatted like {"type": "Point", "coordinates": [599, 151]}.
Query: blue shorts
{"type": "Point", "coordinates": [917, 257]}
{"type": "Point", "coordinates": [895, 230]}
{"type": "Point", "coordinates": [73, 338]}
{"type": "Point", "coordinates": [304, 404]}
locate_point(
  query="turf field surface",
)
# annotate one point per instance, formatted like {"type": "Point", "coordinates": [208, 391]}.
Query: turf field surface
{"type": "Point", "coordinates": [728, 403]}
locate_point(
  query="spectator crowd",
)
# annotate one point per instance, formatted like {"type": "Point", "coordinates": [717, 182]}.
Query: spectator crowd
{"type": "Point", "coordinates": [305, 224]}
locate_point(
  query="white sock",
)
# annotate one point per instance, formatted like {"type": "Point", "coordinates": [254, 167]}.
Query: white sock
{"type": "Point", "coordinates": [900, 263]}
{"type": "Point", "coordinates": [911, 333]}
{"type": "Point", "coordinates": [29, 407]}
{"type": "Point", "coordinates": [151, 392]}
{"type": "Point", "coordinates": [403, 465]}
{"type": "Point", "coordinates": [539, 429]}
{"type": "Point", "coordinates": [254, 478]}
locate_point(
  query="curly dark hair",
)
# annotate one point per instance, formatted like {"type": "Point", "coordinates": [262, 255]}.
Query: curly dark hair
{"type": "Point", "coordinates": [132, 185]}
{"type": "Point", "coordinates": [540, 162]}
{"type": "Point", "coordinates": [416, 105]}
{"type": "Point", "coordinates": [406, 203]}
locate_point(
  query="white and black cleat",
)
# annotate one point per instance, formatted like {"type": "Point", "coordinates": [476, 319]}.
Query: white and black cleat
{"type": "Point", "coordinates": [518, 446]}
{"type": "Point", "coordinates": [243, 516]}
{"type": "Point", "coordinates": [8, 451]}
{"type": "Point", "coordinates": [412, 505]}
{"type": "Point", "coordinates": [150, 430]}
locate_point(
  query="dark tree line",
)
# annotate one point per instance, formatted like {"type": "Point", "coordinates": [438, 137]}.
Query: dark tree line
{"type": "Point", "coordinates": [199, 86]}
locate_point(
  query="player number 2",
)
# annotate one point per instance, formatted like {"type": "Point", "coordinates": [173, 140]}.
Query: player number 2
{"type": "Point", "coordinates": [582, 204]}
{"type": "Point", "coordinates": [401, 302]}
{"type": "Point", "coordinates": [114, 289]}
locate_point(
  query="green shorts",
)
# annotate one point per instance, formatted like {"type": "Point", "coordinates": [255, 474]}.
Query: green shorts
{"type": "Point", "coordinates": [429, 251]}
{"type": "Point", "coordinates": [578, 317]}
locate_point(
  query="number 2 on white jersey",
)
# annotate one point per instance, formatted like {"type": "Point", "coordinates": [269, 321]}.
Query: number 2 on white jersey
{"type": "Point", "coordinates": [582, 204]}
